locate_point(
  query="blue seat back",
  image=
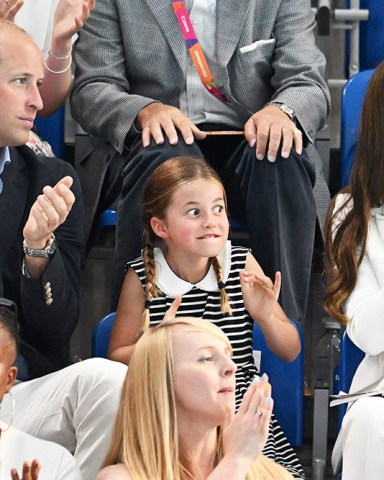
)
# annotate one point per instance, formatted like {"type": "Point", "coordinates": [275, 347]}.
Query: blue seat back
{"type": "Point", "coordinates": [287, 380]}
{"type": "Point", "coordinates": [351, 105]}
{"type": "Point", "coordinates": [101, 334]}
{"type": "Point", "coordinates": [372, 35]}
{"type": "Point", "coordinates": [350, 358]}
{"type": "Point", "coordinates": [51, 129]}
{"type": "Point", "coordinates": [108, 218]}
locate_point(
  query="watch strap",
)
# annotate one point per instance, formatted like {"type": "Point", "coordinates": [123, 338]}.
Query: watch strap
{"type": "Point", "coordinates": [284, 108]}
{"type": "Point", "coordinates": [45, 252]}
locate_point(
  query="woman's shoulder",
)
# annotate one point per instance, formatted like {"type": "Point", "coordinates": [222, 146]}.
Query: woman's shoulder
{"type": "Point", "coordinates": [343, 201]}
{"type": "Point", "coordinates": [114, 472]}
{"type": "Point", "coordinates": [342, 205]}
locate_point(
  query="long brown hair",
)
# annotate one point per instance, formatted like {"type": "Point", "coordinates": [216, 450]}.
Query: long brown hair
{"type": "Point", "coordinates": [346, 241]}
{"type": "Point", "coordinates": [157, 196]}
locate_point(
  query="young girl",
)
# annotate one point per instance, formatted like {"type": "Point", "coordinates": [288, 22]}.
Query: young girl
{"type": "Point", "coordinates": [184, 215]}
{"type": "Point", "coordinates": [176, 421]}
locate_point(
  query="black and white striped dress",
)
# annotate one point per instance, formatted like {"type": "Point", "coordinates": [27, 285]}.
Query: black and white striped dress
{"type": "Point", "coordinates": [203, 300]}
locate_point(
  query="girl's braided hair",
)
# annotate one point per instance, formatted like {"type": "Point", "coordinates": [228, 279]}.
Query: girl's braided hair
{"type": "Point", "coordinates": [157, 196]}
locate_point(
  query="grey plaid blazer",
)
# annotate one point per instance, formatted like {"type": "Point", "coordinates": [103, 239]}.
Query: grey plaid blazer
{"type": "Point", "coordinates": [131, 52]}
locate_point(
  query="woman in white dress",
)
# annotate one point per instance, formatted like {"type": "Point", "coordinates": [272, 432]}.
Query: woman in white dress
{"type": "Point", "coordinates": [355, 292]}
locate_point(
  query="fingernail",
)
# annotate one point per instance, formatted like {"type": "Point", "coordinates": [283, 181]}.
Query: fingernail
{"type": "Point", "coordinates": [189, 140]}
{"type": "Point", "coordinates": [264, 377]}
{"type": "Point", "coordinates": [173, 140]}
{"type": "Point", "coordinates": [285, 154]}
{"type": "Point", "coordinates": [260, 156]}
{"type": "Point", "coordinates": [270, 400]}
{"type": "Point", "coordinates": [256, 379]}
{"type": "Point", "coordinates": [271, 158]}
{"type": "Point", "coordinates": [252, 143]}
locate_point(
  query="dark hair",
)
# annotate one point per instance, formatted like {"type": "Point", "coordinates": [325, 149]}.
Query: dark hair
{"type": "Point", "coordinates": [8, 320]}
{"type": "Point", "coordinates": [157, 196]}
{"type": "Point", "coordinates": [365, 191]}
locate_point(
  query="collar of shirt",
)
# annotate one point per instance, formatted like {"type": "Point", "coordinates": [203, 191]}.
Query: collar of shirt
{"type": "Point", "coordinates": [4, 158]}
{"type": "Point", "coordinates": [171, 285]}
{"type": "Point", "coordinates": [195, 101]}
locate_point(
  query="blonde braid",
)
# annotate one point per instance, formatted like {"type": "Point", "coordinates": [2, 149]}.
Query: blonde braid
{"type": "Point", "coordinates": [225, 306]}
{"type": "Point", "coordinates": [151, 291]}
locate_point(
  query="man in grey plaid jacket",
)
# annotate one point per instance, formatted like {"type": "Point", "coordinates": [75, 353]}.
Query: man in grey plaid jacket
{"type": "Point", "coordinates": [137, 88]}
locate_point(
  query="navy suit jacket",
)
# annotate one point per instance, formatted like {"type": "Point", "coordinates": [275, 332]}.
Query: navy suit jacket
{"type": "Point", "coordinates": [45, 329]}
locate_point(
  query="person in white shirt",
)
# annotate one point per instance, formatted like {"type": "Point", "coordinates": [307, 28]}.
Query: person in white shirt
{"type": "Point", "coordinates": [20, 452]}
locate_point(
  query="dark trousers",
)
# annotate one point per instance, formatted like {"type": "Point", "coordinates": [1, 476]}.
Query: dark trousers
{"type": "Point", "coordinates": [274, 200]}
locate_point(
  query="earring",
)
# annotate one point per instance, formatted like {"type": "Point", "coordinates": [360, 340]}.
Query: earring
{"type": "Point", "coordinates": [12, 414]}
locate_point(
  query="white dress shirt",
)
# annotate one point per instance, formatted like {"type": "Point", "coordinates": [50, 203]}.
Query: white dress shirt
{"type": "Point", "coordinates": [195, 101]}
{"type": "Point", "coordinates": [16, 447]}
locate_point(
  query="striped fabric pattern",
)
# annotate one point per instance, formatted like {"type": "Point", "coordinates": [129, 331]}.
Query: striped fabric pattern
{"type": "Point", "coordinates": [239, 329]}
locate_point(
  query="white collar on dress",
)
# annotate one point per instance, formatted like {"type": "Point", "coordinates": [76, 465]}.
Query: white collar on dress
{"type": "Point", "coordinates": [170, 284]}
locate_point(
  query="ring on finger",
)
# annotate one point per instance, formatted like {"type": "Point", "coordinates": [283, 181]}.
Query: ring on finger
{"type": "Point", "coordinates": [7, 2]}
{"type": "Point", "coordinates": [259, 413]}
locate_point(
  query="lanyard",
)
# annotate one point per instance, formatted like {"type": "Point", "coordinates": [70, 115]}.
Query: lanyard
{"type": "Point", "coordinates": [195, 50]}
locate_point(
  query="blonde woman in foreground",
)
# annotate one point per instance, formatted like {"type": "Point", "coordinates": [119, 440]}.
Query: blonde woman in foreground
{"type": "Point", "coordinates": [176, 420]}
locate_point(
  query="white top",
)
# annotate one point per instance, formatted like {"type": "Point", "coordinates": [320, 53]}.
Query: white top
{"type": "Point", "coordinates": [365, 306]}
{"type": "Point", "coordinates": [36, 17]}
{"type": "Point", "coordinates": [172, 285]}
{"type": "Point", "coordinates": [16, 447]}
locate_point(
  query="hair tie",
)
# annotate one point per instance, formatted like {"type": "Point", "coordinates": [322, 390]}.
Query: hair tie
{"type": "Point", "coordinates": [220, 285]}
{"type": "Point", "coordinates": [147, 304]}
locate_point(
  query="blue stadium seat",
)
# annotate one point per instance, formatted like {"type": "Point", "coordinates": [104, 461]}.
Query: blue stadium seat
{"type": "Point", "coordinates": [350, 358]}
{"type": "Point", "coordinates": [351, 105]}
{"type": "Point", "coordinates": [51, 129]}
{"type": "Point", "coordinates": [372, 35]}
{"type": "Point", "coordinates": [107, 218]}
{"type": "Point", "coordinates": [101, 334]}
{"type": "Point", "coordinates": [287, 379]}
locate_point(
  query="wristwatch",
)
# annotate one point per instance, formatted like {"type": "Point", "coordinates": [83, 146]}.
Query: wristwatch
{"type": "Point", "coordinates": [49, 249]}
{"type": "Point", "coordinates": [284, 108]}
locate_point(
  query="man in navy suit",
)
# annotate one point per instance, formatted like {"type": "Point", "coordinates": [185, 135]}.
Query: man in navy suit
{"type": "Point", "coordinates": [42, 220]}
{"type": "Point", "coordinates": [40, 241]}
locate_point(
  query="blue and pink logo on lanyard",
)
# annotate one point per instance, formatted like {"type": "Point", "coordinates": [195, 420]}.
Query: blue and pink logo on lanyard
{"type": "Point", "coordinates": [195, 50]}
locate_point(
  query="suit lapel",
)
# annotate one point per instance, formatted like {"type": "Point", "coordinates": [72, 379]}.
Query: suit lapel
{"type": "Point", "coordinates": [166, 19]}
{"type": "Point", "coordinates": [231, 16]}
{"type": "Point", "coordinates": [230, 22]}
{"type": "Point", "coordinates": [13, 200]}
